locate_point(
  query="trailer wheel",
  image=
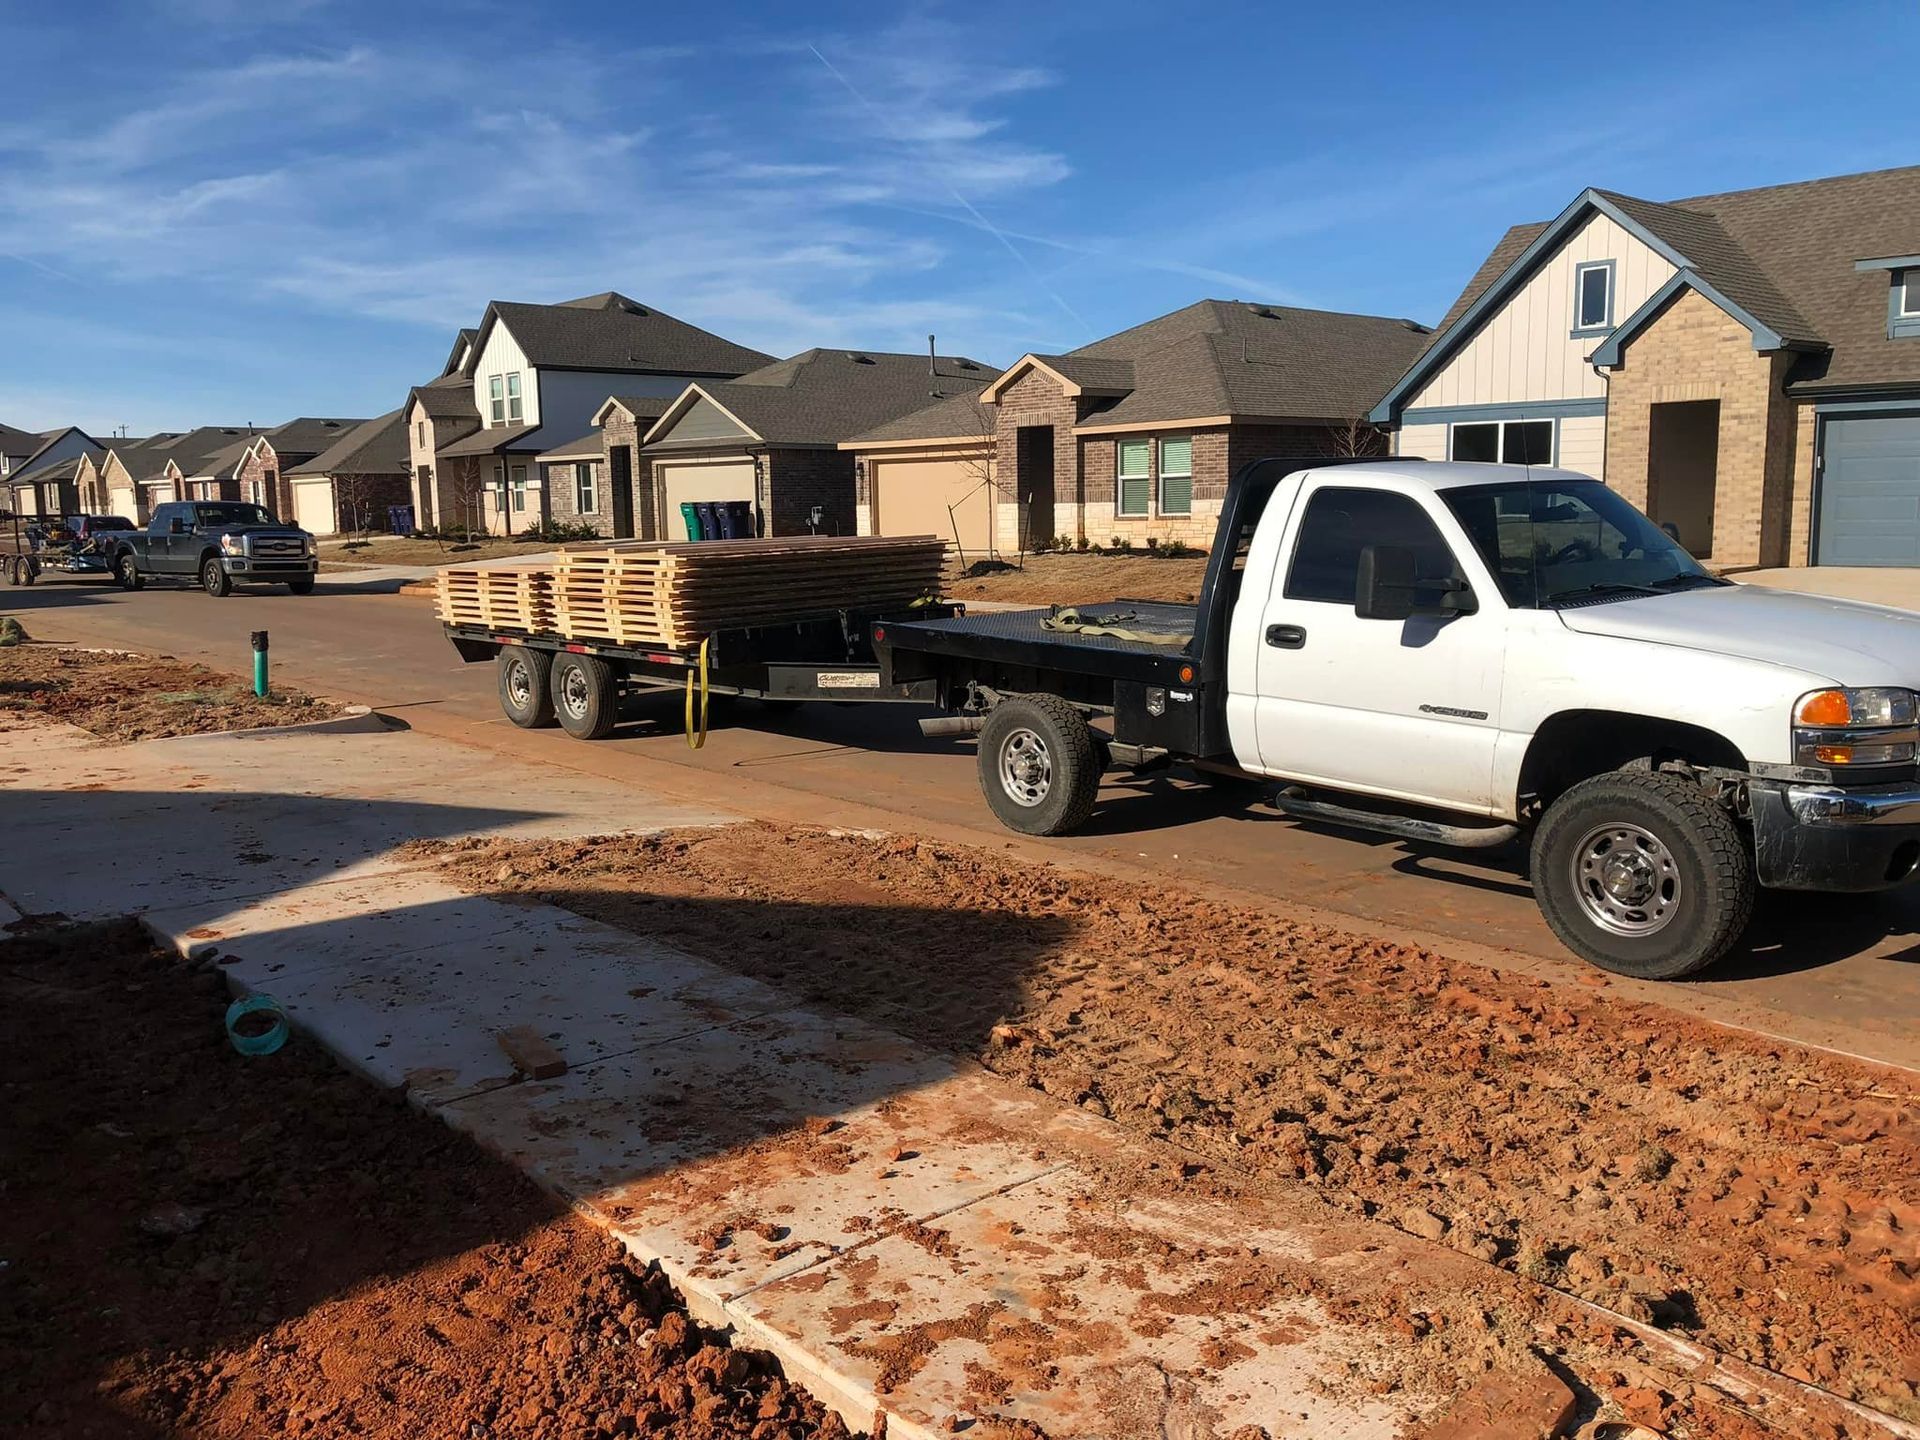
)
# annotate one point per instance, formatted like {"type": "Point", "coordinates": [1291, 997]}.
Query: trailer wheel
{"type": "Point", "coordinates": [586, 697]}
{"type": "Point", "coordinates": [1643, 874]}
{"type": "Point", "coordinates": [1039, 767]}
{"type": "Point", "coordinates": [13, 570]}
{"type": "Point", "coordinates": [29, 569]}
{"type": "Point", "coordinates": [127, 571]}
{"type": "Point", "coordinates": [526, 678]}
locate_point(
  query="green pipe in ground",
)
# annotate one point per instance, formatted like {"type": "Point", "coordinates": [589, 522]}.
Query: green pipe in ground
{"type": "Point", "coordinates": [260, 663]}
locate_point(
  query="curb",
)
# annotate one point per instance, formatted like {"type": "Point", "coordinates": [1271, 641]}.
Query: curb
{"type": "Point", "coordinates": [353, 720]}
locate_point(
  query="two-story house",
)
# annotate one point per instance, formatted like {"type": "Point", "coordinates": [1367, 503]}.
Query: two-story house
{"type": "Point", "coordinates": [1743, 366]}
{"type": "Point", "coordinates": [529, 378]}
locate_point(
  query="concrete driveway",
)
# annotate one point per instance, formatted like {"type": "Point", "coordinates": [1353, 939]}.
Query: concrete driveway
{"type": "Point", "coordinates": [1875, 584]}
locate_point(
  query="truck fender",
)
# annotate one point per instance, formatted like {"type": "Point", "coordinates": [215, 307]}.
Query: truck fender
{"type": "Point", "coordinates": [1573, 745]}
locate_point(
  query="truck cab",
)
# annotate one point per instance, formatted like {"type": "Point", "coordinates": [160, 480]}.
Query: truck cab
{"type": "Point", "coordinates": [1478, 655]}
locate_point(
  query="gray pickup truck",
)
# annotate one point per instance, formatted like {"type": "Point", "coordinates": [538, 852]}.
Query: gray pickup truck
{"type": "Point", "coordinates": [219, 543]}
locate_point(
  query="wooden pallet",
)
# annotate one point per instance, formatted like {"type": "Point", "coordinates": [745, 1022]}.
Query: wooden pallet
{"type": "Point", "coordinates": [517, 597]}
{"type": "Point", "coordinates": [673, 595]}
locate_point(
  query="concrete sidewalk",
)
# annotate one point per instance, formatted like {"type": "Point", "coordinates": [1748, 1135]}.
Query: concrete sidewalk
{"type": "Point", "coordinates": [912, 1236]}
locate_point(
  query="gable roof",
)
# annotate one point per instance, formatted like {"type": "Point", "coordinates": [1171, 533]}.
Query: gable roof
{"type": "Point", "coordinates": [49, 438]}
{"type": "Point", "coordinates": [640, 407]}
{"type": "Point", "coordinates": [820, 397]}
{"type": "Point", "coordinates": [610, 332]}
{"type": "Point", "coordinates": [1238, 359]}
{"type": "Point", "coordinates": [292, 442]}
{"type": "Point", "coordinates": [189, 451]}
{"type": "Point", "coordinates": [448, 398]}
{"type": "Point", "coordinates": [371, 447]}
{"type": "Point", "coordinates": [17, 442]}
{"type": "Point", "coordinates": [1780, 258]}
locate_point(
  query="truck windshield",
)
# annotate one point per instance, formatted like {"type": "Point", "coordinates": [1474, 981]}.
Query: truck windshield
{"type": "Point", "coordinates": [231, 515]}
{"type": "Point", "coordinates": [1559, 542]}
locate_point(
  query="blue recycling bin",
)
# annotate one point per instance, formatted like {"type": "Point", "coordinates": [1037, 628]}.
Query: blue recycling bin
{"type": "Point", "coordinates": [709, 519]}
{"type": "Point", "coordinates": [400, 519]}
{"type": "Point", "coordinates": [736, 519]}
{"type": "Point", "coordinates": [690, 517]}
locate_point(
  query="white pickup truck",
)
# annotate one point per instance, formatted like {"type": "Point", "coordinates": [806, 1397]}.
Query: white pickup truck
{"type": "Point", "coordinates": [1470, 655]}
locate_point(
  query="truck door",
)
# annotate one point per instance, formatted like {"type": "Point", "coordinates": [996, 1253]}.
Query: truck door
{"type": "Point", "coordinates": [1402, 708]}
{"type": "Point", "coordinates": [160, 537]}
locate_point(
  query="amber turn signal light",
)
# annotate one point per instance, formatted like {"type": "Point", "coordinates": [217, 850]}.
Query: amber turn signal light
{"type": "Point", "coordinates": [1827, 708]}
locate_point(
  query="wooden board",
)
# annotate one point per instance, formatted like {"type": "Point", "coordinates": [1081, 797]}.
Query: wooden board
{"type": "Point", "coordinates": [674, 594]}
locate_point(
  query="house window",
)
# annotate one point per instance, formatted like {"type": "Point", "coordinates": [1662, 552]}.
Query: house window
{"type": "Point", "coordinates": [514, 414]}
{"type": "Point", "coordinates": [519, 488]}
{"type": "Point", "coordinates": [496, 399]}
{"type": "Point", "coordinates": [1503, 442]}
{"type": "Point", "coordinates": [1135, 478]}
{"type": "Point", "coordinates": [1176, 475]}
{"type": "Point", "coordinates": [585, 500]}
{"type": "Point", "coordinates": [1593, 297]}
{"type": "Point", "coordinates": [420, 433]}
{"type": "Point", "coordinates": [1908, 285]}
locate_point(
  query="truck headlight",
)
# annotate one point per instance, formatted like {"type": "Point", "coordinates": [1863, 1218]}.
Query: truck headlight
{"type": "Point", "coordinates": [232, 545]}
{"type": "Point", "coordinates": [1874, 726]}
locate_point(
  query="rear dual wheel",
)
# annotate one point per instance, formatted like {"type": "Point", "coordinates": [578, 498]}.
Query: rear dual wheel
{"type": "Point", "coordinates": [126, 570]}
{"type": "Point", "coordinates": [525, 678]}
{"type": "Point", "coordinates": [586, 695]}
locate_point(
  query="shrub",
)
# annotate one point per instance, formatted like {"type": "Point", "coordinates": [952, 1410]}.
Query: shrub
{"type": "Point", "coordinates": [557, 531]}
{"type": "Point", "coordinates": [1082, 545]}
{"type": "Point", "coordinates": [12, 632]}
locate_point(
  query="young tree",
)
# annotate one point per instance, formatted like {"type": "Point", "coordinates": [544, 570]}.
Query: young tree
{"type": "Point", "coordinates": [1357, 439]}
{"type": "Point", "coordinates": [468, 491]}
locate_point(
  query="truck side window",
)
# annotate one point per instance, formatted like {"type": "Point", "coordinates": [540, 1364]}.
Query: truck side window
{"type": "Point", "coordinates": [1339, 521]}
{"type": "Point", "coordinates": [162, 519]}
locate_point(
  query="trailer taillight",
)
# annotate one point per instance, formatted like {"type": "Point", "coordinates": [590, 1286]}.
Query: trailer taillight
{"type": "Point", "coordinates": [1186, 674]}
{"type": "Point", "coordinates": [879, 634]}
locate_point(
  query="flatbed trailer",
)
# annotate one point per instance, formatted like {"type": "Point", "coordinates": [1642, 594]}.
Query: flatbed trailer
{"type": "Point", "coordinates": [22, 563]}
{"type": "Point", "coordinates": [578, 683]}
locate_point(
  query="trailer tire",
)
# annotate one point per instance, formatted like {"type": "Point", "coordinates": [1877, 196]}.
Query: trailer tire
{"type": "Point", "coordinates": [586, 696]}
{"type": "Point", "coordinates": [1039, 766]}
{"type": "Point", "coordinates": [1642, 873]}
{"type": "Point", "coordinates": [526, 680]}
{"type": "Point", "coordinates": [29, 570]}
{"type": "Point", "coordinates": [126, 570]}
{"type": "Point", "coordinates": [14, 572]}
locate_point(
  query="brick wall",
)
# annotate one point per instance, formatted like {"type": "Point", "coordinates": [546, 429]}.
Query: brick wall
{"type": "Point", "coordinates": [622, 430]}
{"type": "Point", "coordinates": [263, 469]}
{"type": "Point", "coordinates": [1696, 351]}
{"type": "Point", "coordinates": [365, 499]}
{"type": "Point", "coordinates": [792, 482]}
{"type": "Point", "coordinates": [1800, 489]}
{"type": "Point", "coordinates": [1035, 399]}
{"type": "Point", "coordinates": [563, 491]}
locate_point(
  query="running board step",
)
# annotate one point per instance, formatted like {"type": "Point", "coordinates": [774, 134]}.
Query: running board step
{"type": "Point", "coordinates": [1294, 802]}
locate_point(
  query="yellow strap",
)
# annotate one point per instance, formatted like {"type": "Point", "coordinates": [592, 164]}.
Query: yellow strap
{"type": "Point", "coordinates": [696, 740]}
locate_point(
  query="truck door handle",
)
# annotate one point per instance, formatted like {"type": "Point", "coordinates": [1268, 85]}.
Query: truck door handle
{"type": "Point", "coordinates": [1286, 637]}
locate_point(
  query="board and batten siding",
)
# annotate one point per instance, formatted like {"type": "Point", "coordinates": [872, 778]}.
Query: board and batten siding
{"type": "Point", "coordinates": [502, 356]}
{"type": "Point", "coordinates": [1525, 350]}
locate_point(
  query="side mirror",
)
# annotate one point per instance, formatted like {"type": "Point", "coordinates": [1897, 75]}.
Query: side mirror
{"type": "Point", "coordinates": [178, 527]}
{"type": "Point", "coordinates": [1384, 589]}
{"type": "Point", "coordinates": [1387, 588]}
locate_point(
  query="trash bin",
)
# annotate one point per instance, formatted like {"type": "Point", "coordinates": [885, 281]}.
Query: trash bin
{"type": "Point", "coordinates": [736, 519]}
{"type": "Point", "coordinates": [709, 519]}
{"type": "Point", "coordinates": [400, 519]}
{"type": "Point", "coordinates": [690, 517]}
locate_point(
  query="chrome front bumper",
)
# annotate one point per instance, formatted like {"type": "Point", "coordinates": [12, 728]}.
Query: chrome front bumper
{"type": "Point", "coordinates": [1830, 805]}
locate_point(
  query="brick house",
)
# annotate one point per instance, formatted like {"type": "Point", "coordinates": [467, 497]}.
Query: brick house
{"type": "Point", "coordinates": [1134, 437]}
{"type": "Point", "coordinates": [574, 479]}
{"type": "Point", "coordinates": [352, 484]}
{"type": "Point", "coordinates": [772, 437]}
{"type": "Point", "coordinates": [531, 377]}
{"type": "Point", "coordinates": [253, 468]}
{"type": "Point", "coordinates": [1745, 367]}
{"type": "Point", "coordinates": [46, 479]}
{"type": "Point", "coordinates": [109, 483]}
{"type": "Point", "coordinates": [623, 422]}
{"type": "Point", "coordinates": [930, 472]}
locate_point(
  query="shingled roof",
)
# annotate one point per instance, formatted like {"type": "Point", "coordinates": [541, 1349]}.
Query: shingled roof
{"type": "Point", "coordinates": [1244, 360]}
{"type": "Point", "coordinates": [958, 417]}
{"type": "Point", "coordinates": [611, 332]}
{"type": "Point", "coordinates": [821, 397]}
{"type": "Point", "coordinates": [372, 447]}
{"type": "Point", "coordinates": [1785, 254]}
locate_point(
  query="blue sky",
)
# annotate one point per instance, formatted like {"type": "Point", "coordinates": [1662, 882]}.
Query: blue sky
{"type": "Point", "coordinates": [232, 211]}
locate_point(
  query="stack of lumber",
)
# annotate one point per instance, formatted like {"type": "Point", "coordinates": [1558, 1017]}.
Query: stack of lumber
{"type": "Point", "coordinates": [499, 597]}
{"type": "Point", "coordinates": [674, 595]}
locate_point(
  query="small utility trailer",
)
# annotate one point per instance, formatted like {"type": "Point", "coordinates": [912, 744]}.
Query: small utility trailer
{"type": "Point", "coordinates": [548, 679]}
{"type": "Point", "coordinates": [67, 545]}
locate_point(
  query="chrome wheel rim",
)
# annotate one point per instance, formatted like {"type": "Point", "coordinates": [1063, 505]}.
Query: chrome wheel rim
{"type": "Point", "coordinates": [1026, 768]}
{"type": "Point", "coordinates": [519, 683]}
{"type": "Point", "coordinates": [1627, 879]}
{"type": "Point", "coordinates": [574, 692]}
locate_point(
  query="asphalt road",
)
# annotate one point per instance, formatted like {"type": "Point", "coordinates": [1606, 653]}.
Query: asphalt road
{"type": "Point", "coordinates": [1836, 971]}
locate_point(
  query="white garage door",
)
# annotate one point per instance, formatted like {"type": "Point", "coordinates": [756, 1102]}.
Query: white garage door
{"type": "Point", "coordinates": [313, 506]}
{"type": "Point", "coordinates": [934, 497]}
{"type": "Point", "coordinates": [123, 502]}
{"type": "Point", "coordinates": [689, 480]}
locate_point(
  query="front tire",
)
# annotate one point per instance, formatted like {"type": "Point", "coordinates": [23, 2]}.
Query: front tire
{"type": "Point", "coordinates": [214, 578]}
{"type": "Point", "coordinates": [525, 680]}
{"type": "Point", "coordinates": [1640, 872]}
{"type": "Point", "coordinates": [1039, 766]}
{"type": "Point", "coordinates": [127, 571]}
{"type": "Point", "coordinates": [586, 697]}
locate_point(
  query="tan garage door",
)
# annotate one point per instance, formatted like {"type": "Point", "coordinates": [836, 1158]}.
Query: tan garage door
{"type": "Point", "coordinates": [123, 502]}
{"type": "Point", "coordinates": [313, 506]}
{"type": "Point", "coordinates": [912, 497]}
{"type": "Point", "coordinates": [702, 480]}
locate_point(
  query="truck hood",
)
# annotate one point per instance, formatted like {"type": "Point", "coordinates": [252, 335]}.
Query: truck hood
{"type": "Point", "coordinates": [1843, 641]}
